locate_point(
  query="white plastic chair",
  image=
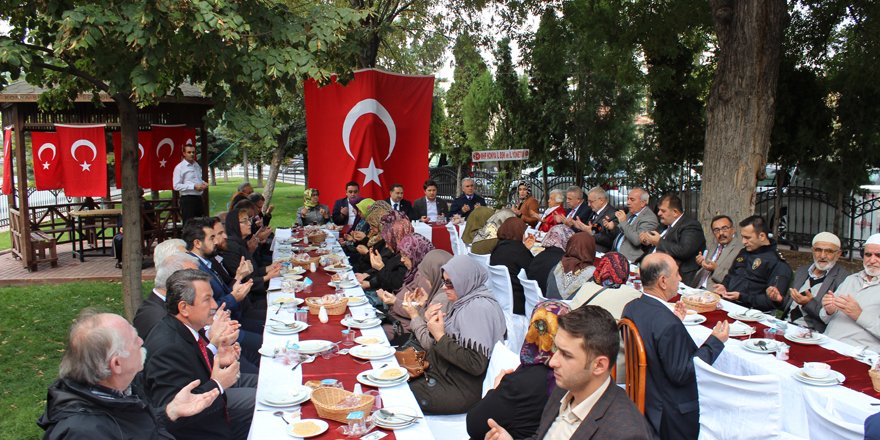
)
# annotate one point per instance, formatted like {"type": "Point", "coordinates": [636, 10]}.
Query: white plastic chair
{"type": "Point", "coordinates": [722, 414]}
{"type": "Point", "coordinates": [826, 422]}
{"type": "Point", "coordinates": [501, 359]}
{"type": "Point", "coordinates": [482, 259]}
{"type": "Point", "coordinates": [448, 427]}
{"type": "Point", "coordinates": [458, 247]}
{"type": "Point", "coordinates": [532, 291]}
{"type": "Point", "coordinates": [517, 325]}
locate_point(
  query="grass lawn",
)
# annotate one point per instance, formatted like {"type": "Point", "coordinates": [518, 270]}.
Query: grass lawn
{"type": "Point", "coordinates": [33, 333]}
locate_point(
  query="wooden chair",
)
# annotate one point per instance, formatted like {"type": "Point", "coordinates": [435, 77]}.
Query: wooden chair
{"type": "Point", "coordinates": [636, 362]}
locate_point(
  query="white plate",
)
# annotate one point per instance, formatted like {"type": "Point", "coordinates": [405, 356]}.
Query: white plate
{"type": "Point", "coordinates": [337, 269]}
{"type": "Point", "coordinates": [322, 425]}
{"type": "Point", "coordinates": [752, 345]}
{"type": "Point", "coordinates": [368, 340]}
{"type": "Point", "coordinates": [694, 319]}
{"type": "Point", "coordinates": [280, 329]}
{"type": "Point", "coordinates": [834, 378]}
{"type": "Point", "coordinates": [371, 352]}
{"type": "Point", "coordinates": [313, 346]}
{"type": "Point", "coordinates": [344, 284]}
{"type": "Point", "coordinates": [817, 339]}
{"type": "Point", "coordinates": [396, 422]}
{"type": "Point", "coordinates": [357, 300]}
{"type": "Point", "coordinates": [739, 329]}
{"type": "Point", "coordinates": [742, 317]}
{"type": "Point", "coordinates": [292, 397]}
{"type": "Point", "coordinates": [285, 300]}
{"type": "Point", "coordinates": [365, 323]}
{"type": "Point", "coordinates": [270, 351]}
{"type": "Point", "coordinates": [296, 270]}
{"type": "Point", "coordinates": [376, 375]}
{"type": "Point", "coordinates": [292, 276]}
{"type": "Point", "coordinates": [365, 379]}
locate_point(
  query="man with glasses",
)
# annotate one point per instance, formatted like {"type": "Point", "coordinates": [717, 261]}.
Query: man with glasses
{"type": "Point", "coordinates": [757, 268]}
{"type": "Point", "coordinates": [187, 180]}
{"type": "Point", "coordinates": [716, 261]}
{"type": "Point", "coordinates": [468, 200]}
{"type": "Point", "coordinates": [853, 311]}
{"type": "Point", "coordinates": [811, 282]}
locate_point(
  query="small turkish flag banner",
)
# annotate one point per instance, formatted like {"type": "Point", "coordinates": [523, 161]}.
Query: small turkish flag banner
{"type": "Point", "coordinates": [47, 160]}
{"type": "Point", "coordinates": [145, 158]}
{"type": "Point", "coordinates": [83, 160]}
{"type": "Point", "coordinates": [373, 131]}
{"type": "Point", "coordinates": [167, 153]}
{"type": "Point", "coordinates": [7, 161]}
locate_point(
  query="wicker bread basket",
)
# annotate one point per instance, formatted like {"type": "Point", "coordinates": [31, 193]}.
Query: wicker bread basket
{"type": "Point", "coordinates": [326, 401]}
{"type": "Point", "coordinates": [694, 302]}
{"type": "Point", "coordinates": [305, 264]}
{"type": "Point", "coordinates": [316, 238]}
{"type": "Point", "coordinates": [335, 308]}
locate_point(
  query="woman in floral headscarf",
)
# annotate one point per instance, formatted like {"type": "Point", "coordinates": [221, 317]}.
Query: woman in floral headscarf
{"type": "Point", "coordinates": [554, 248]}
{"type": "Point", "coordinates": [575, 268]}
{"type": "Point", "coordinates": [387, 270]}
{"type": "Point", "coordinates": [517, 400]}
{"type": "Point", "coordinates": [313, 212]}
{"type": "Point", "coordinates": [358, 240]}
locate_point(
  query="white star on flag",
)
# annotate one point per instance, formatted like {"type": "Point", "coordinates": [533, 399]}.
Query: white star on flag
{"type": "Point", "coordinates": [162, 163]}
{"type": "Point", "coordinates": [371, 173]}
{"type": "Point", "coordinates": [86, 166]}
{"type": "Point", "coordinates": [45, 165]}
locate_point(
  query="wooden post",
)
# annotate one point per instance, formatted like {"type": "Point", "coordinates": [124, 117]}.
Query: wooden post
{"type": "Point", "coordinates": [22, 185]}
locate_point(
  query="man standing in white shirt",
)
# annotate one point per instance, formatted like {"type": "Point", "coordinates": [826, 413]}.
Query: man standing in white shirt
{"type": "Point", "coordinates": [188, 182]}
{"type": "Point", "coordinates": [585, 404]}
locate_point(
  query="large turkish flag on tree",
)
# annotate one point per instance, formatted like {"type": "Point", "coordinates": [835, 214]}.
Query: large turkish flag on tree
{"type": "Point", "coordinates": [374, 131]}
{"type": "Point", "coordinates": [145, 157]}
{"type": "Point", "coordinates": [83, 160]}
{"type": "Point", "coordinates": [167, 153]}
{"type": "Point", "coordinates": [47, 160]}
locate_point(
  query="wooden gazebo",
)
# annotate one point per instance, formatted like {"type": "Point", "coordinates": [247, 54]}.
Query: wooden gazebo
{"type": "Point", "coordinates": [32, 226]}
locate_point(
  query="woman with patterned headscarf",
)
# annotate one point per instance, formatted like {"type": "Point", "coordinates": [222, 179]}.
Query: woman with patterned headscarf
{"type": "Point", "coordinates": [357, 241]}
{"type": "Point", "coordinates": [575, 268]}
{"type": "Point", "coordinates": [608, 287]}
{"type": "Point", "coordinates": [486, 238]}
{"type": "Point", "coordinates": [554, 248]}
{"type": "Point", "coordinates": [387, 270]}
{"type": "Point", "coordinates": [526, 206]}
{"type": "Point", "coordinates": [313, 212]}
{"type": "Point", "coordinates": [412, 249]}
{"type": "Point", "coordinates": [517, 399]}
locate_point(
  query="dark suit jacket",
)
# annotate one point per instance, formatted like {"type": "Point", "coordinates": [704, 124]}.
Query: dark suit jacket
{"type": "Point", "coordinates": [173, 361]}
{"type": "Point", "coordinates": [420, 208]}
{"type": "Point", "coordinates": [151, 311]}
{"type": "Point", "coordinates": [462, 200]}
{"type": "Point", "coordinates": [583, 212]}
{"type": "Point", "coordinates": [337, 216]}
{"type": "Point", "coordinates": [671, 400]}
{"type": "Point", "coordinates": [683, 242]}
{"type": "Point", "coordinates": [222, 292]}
{"type": "Point", "coordinates": [833, 278]}
{"type": "Point", "coordinates": [403, 206]}
{"type": "Point", "coordinates": [614, 416]}
{"type": "Point", "coordinates": [237, 248]}
{"type": "Point", "coordinates": [604, 238]}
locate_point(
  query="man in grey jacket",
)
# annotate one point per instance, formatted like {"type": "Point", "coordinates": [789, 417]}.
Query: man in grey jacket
{"type": "Point", "coordinates": [628, 226]}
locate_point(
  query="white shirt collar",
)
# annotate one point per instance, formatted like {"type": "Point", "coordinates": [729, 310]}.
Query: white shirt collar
{"type": "Point", "coordinates": [159, 294]}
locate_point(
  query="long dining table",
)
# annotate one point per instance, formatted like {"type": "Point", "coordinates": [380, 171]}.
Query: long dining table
{"type": "Point", "coordinates": [275, 373]}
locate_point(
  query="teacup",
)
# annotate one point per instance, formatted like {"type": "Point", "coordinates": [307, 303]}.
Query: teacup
{"type": "Point", "coordinates": [817, 370]}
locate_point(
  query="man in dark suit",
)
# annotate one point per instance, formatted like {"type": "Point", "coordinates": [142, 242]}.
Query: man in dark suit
{"type": "Point", "coordinates": [578, 209]}
{"type": "Point", "coordinates": [345, 213]}
{"type": "Point", "coordinates": [179, 351]}
{"type": "Point", "coordinates": [597, 200]}
{"type": "Point", "coordinates": [153, 309]}
{"type": "Point", "coordinates": [804, 300]}
{"type": "Point", "coordinates": [398, 203]}
{"type": "Point", "coordinates": [682, 239]}
{"type": "Point", "coordinates": [671, 400]}
{"type": "Point", "coordinates": [430, 207]}
{"type": "Point", "coordinates": [585, 404]}
{"type": "Point", "coordinates": [468, 200]}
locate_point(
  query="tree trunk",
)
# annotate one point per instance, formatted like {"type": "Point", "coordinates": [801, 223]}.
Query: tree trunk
{"type": "Point", "coordinates": [132, 253]}
{"type": "Point", "coordinates": [274, 168]}
{"type": "Point", "coordinates": [213, 176]}
{"type": "Point", "coordinates": [244, 164]}
{"type": "Point", "coordinates": [226, 175]}
{"type": "Point", "coordinates": [259, 174]}
{"type": "Point", "coordinates": [739, 114]}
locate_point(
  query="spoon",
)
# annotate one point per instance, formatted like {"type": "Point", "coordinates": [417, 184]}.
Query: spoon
{"type": "Point", "coordinates": [280, 414]}
{"type": "Point", "coordinates": [390, 414]}
{"type": "Point", "coordinates": [762, 345]}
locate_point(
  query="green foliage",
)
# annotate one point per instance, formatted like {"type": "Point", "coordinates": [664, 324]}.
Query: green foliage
{"type": "Point", "coordinates": [468, 66]}
{"type": "Point", "coordinates": [478, 109]}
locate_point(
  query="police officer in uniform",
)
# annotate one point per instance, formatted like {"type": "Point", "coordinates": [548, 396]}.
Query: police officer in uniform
{"type": "Point", "coordinates": [756, 268]}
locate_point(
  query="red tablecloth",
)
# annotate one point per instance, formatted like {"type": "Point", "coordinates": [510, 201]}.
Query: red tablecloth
{"type": "Point", "coordinates": [856, 372]}
{"type": "Point", "coordinates": [440, 238]}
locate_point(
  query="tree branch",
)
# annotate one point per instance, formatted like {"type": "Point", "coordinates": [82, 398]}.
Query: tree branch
{"type": "Point", "coordinates": [75, 72]}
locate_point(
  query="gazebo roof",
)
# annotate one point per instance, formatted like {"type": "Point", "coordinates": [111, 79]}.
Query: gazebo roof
{"type": "Point", "coordinates": [22, 91]}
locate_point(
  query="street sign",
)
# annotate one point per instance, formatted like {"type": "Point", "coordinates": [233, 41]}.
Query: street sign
{"type": "Point", "coordinates": [499, 155]}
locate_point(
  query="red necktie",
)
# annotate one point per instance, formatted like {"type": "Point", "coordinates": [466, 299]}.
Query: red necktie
{"type": "Point", "coordinates": [203, 347]}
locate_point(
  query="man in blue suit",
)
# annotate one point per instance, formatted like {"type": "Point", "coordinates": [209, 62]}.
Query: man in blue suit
{"type": "Point", "coordinates": [671, 401]}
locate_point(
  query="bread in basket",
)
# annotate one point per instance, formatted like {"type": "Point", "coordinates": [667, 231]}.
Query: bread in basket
{"type": "Point", "coordinates": [702, 302]}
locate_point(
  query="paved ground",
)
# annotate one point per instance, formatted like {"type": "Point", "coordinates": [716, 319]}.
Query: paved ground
{"type": "Point", "coordinates": [95, 268]}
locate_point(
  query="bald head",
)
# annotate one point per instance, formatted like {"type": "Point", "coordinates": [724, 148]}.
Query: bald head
{"type": "Point", "coordinates": [659, 274]}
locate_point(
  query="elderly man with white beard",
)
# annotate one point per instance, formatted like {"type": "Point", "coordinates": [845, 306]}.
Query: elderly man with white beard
{"type": "Point", "coordinates": [811, 282]}
{"type": "Point", "coordinates": [853, 313]}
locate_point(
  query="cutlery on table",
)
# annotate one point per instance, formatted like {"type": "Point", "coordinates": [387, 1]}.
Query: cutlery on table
{"type": "Point", "coordinates": [762, 345]}
{"type": "Point", "coordinates": [388, 414]}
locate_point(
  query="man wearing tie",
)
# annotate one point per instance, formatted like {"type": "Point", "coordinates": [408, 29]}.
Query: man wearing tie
{"type": "Point", "coordinates": [682, 239]}
{"type": "Point", "coordinates": [640, 219]}
{"type": "Point", "coordinates": [577, 209]}
{"type": "Point", "coordinates": [597, 199]}
{"type": "Point", "coordinates": [718, 259]}
{"type": "Point", "coordinates": [398, 203]}
{"type": "Point", "coordinates": [468, 200]}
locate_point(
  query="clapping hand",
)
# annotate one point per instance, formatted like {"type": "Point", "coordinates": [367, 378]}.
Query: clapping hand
{"type": "Point", "coordinates": [186, 404]}
{"type": "Point", "coordinates": [559, 218]}
{"type": "Point", "coordinates": [245, 268]}
{"type": "Point", "coordinates": [227, 355]}
{"type": "Point", "coordinates": [465, 208]}
{"type": "Point", "coordinates": [621, 216]}
{"type": "Point", "coordinates": [436, 323]}
{"type": "Point", "coordinates": [376, 260]}
{"type": "Point", "coordinates": [358, 235]}
{"type": "Point", "coordinates": [608, 224]}
{"type": "Point", "coordinates": [361, 249]}
{"type": "Point", "coordinates": [586, 227]}
{"type": "Point", "coordinates": [650, 238]}
{"type": "Point", "coordinates": [240, 290]}
{"type": "Point", "coordinates": [226, 376]}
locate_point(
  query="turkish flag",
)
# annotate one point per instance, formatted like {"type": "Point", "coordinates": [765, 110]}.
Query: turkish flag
{"type": "Point", "coordinates": [373, 131]}
{"type": "Point", "coordinates": [7, 161]}
{"type": "Point", "coordinates": [47, 160]}
{"type": "Point", "coordinates": [83, 160]}
{"type": "Point", "coordinates": [167, 153]}
{"type": "Point", "coordinates": [145, 157]}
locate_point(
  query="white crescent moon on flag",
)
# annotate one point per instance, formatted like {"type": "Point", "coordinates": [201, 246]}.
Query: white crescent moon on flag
{"type": "Point", "coordinates": [80, 143]}
{"type": "Point", "coordinates": [189, 141]}
{"type": "Point", "coordinates": [46, 146]}
{"type": "Point", "coordinates": [362, 108]}
{"type": "Point", "coordinates": [166, 141]}
{"type": "Point", "coordinates": [141, 151]}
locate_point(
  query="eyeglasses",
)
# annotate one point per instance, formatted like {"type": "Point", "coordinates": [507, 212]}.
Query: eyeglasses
{"type": "Point", "coordinates": [245, 220]}
{"type": "Point", "coordinates": [824, 251]}
{"type": "Point", "coordinates": [721, 229]}
{"type": "Point", "coordinates": [447, 283]}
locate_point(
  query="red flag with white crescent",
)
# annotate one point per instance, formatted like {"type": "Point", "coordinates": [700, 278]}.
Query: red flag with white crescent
{"type": "Point", "coordinates": [83, 160]}
{"type": "Point", "coordinates": [373, 131]}
{"type": "Point", "coordinates": [7, 161]}
{"type": "Point", "coordinates": [47, 160]}
{"type": "Point", "coordinates": [145, 157]}
{"type": "Point", "coordinates": [167, 153]}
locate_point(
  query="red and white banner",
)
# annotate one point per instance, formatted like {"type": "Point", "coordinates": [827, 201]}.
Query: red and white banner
{"type": "Point", "coordinates": [83, 160]}
{"type": "Point", "coordinates": [499, 155]}
{"type": "Point", "coordinates": [167, 153]}
{"type": "Point", "coordinates": [145, 158]}
{"type": "Point", "coordinates": [47, 160]}
{"type": "Point", "coordinates": [373, 131]}
{"type": "Point", "coordinates": [7, 161]}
